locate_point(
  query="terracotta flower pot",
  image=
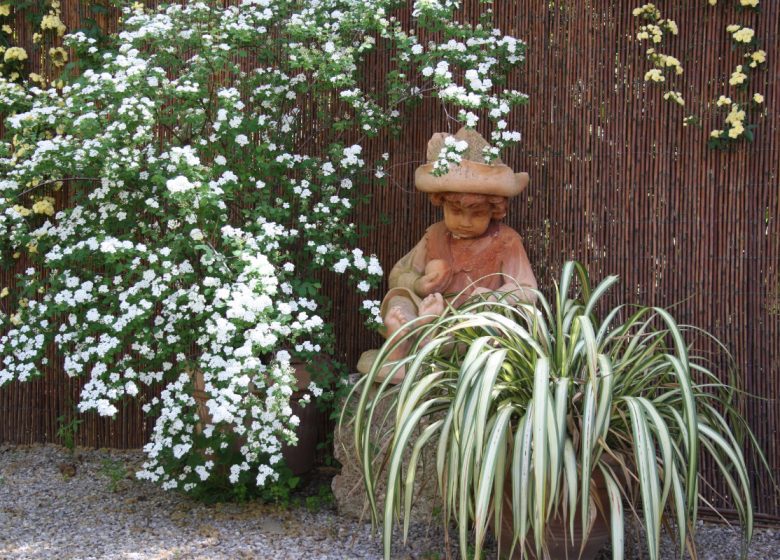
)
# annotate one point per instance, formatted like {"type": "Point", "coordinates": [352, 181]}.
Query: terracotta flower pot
{"type": "Point", "coordinates": [301, 457]}
{"type": "Point", "coordinates": [558, 537]}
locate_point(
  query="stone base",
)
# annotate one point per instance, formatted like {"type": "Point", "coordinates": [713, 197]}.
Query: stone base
{"type": "Point", "coordinates": [348, 487]}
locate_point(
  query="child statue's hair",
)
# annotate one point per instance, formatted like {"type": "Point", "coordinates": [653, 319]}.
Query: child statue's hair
{"type": "Point", "coordinates": [497, 203]}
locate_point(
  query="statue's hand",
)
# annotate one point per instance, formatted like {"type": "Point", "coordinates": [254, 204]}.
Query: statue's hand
{"type": "Point", "coordinates": [438, 274]}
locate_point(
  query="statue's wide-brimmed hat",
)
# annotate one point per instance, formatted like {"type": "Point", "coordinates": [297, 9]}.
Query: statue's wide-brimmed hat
{"type": "Point", "coordinates": [472, 175]}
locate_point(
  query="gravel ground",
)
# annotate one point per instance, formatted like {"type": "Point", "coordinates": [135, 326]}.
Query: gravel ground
{"type": "Point", "coordinates": [54, 504]}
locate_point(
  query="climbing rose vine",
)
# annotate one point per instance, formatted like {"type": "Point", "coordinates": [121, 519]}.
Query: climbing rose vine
{"type": "Point", "coordinates": [740, 103]}
{"type": "Point", "coordinates": [180, 200]}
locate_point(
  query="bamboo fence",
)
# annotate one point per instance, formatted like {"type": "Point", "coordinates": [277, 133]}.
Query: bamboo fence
{"type": "Point", "coordinates": [616, 182]}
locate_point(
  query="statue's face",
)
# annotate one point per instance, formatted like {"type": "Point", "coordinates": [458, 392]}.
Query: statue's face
{"type": "Point", "coordinates": [466, 222]}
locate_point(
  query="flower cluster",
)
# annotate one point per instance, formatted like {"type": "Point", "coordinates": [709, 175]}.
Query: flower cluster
{"type": "Point", "coordinates": [741, 34]}
{"type": "Point", "coordinates": [203, 214]}
{"type": "Point", "coordinates": [11, 57]}
{"type": "Point", "coordinates": [654, 32]}
{"type": "Point", "coordinates": [450, 155]}
{"type": "Point", "coordinates": [466, 68]}
{"type": "Point", "coordinates": [675, 96]}
{"type": "Point", "coordinates": [736, 126]}
{"type": "Point", "coordinates": [43, 21]}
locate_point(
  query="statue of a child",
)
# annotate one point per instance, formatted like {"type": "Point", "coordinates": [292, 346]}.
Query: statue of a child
{"type": "Point", "coordinates": [470, 251]}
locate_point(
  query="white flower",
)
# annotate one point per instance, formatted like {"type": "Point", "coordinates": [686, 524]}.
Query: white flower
{"type": "Point", "coordinates": [242, 140]}
{"type": "Point", "coordinates": [341, 266]}
{"type": "Point", "coordinates": [196, 234]}
{"type": "Point", "coordinates": [314, 389]}
{"type": "Point", "coordinates": [179, 184]}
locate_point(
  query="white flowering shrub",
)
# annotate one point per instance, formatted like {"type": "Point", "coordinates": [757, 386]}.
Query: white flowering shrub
{"type": "Point", "coordinates": [180, 200]}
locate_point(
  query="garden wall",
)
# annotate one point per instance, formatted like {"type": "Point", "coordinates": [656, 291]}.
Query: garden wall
{"type": "Point", "coordinates": [616, 182]}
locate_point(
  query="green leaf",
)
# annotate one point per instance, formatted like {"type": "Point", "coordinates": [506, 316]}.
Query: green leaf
{"type": "Point", "coordinates": [644, 458]}
{"type": "Point", "coordinates": [615, 513]}
{"type": "Point", "coordinates": [414, 459]}
{"type": "Point", "coordinates": [495, 449]}
{"type": "Point", "coordinates": [540, 452]}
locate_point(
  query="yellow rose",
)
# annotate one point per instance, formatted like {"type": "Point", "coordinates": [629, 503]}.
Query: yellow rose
{"type": "Point", "coordinates": [736, 131]}
{"type": "Point", "coordinates": [15, 319]}
{"type": "Point", "coordinates": [3, 292]}
{"type": "Point", "coordinates": [723, 100]}
{"type": "Point", "coordinates": [5, 10]}
{"type": "Point", "coordinates": [675, 96]}
{"type": "Point", "coordinates": [37, 78]}
{"type": "Point", "coordinates": [44, 206]}
{"type": "Point", "coordinates": [759, 56]}
{"type": "Point", "coordinates": [22, 211]}
{"type": "Point", "coordinates": [15, 53]}
{"type": "Point", "coordinates": [654, 75]}
{"type": "Point", "coordinates": [737, 77]}
{"type": "Point", "coordinates": [732, 28]}
{"type": "Point", "coordinates": [59, 56]}
{"type": "Point", "coordinates": [735, 116]}
{"type": "Point", "coordinates": [53, 22]}
{"type": "Point", "coordinates": [750, 3]}
{"type": "Point", "coordinates": [744, 35]}
{"type": "Point", "coordinates": [7, 29]}
{"type": "Point", "coordinates": [758, 98]}
{"type": "Point", "coordinates": [32, 247]}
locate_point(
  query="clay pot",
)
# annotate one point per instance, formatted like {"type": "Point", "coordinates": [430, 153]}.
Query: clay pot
{"type": "Point", "coordinates": [558, 538]}
{"type": "Point", "coordinates": [299, 458]}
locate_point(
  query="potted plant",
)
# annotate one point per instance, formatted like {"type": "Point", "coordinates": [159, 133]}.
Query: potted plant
{"type": "Point", "coordinates": [556, 396]}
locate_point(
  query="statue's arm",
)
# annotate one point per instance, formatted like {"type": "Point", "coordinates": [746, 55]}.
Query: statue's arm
{"type": "Point", "coordinates": [411, 267]}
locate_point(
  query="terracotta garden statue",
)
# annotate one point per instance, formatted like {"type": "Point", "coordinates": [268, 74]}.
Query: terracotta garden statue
{"type": "Point", "coordinates": [468, 253]}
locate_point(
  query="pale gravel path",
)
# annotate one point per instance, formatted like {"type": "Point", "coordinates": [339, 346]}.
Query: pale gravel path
{"type": "Point", "coordinates": [44, 514]}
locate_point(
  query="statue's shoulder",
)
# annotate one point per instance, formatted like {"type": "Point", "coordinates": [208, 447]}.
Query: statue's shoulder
{"type": "Point", "coordinates": [507, 234]}
{"type": "Point", "coordinates": [436, 231]}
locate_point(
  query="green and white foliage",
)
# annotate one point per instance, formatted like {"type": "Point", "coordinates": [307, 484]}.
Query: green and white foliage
{"type": "Point", "coordinates": [180, 199]}
{"type": "Point", "coordinates": [555, 395]}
